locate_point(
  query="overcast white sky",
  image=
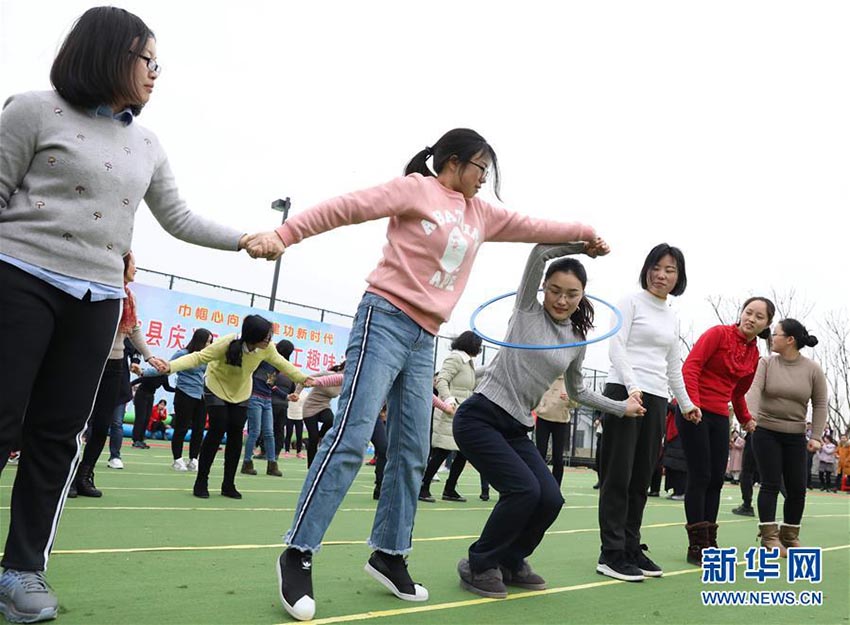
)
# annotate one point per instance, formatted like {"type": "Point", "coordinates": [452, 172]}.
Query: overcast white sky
{"type": "Point", "coordinates": [719, 127]}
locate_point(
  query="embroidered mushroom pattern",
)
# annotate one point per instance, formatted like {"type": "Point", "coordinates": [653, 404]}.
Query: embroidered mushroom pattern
{"type": "Point", "coordinates": [109, 246]}
{"type": "Point", "coordinates": [58, 111]}
{"type": "Point", "coordinates": [80, 189]}
{"type": "Point", "coordinates": [39, 204]}
{"type": "Point", "coordinates": [51, 160]}
{"type": "Point", "coordinates": [126, 201]}
{"type": "Point", "coordinates": [97, 215]}
{"type": "Point", "coordinates": [67, 236]}
{"type": "Point", "coordinates": [108, 166]}
{"type": "Point", "coordinates": [127, 150]}
{"type": "Point", "coordinates": [81, 136]}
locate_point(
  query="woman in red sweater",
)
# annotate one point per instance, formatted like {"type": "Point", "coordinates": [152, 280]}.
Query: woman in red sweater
{"type": "Point", "coordinates": [719, 370]}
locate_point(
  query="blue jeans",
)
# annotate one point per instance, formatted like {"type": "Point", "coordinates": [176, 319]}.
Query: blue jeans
{"type": "Point", "coordinates": [389, 358]}
{"type": "Point", "coordinates": [260, 419]}
{"type": "Point", "coordinates": [116, 432]}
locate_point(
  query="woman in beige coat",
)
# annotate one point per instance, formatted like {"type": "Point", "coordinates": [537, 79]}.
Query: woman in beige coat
{"type": "Point", "coordinates": [455, 382]}
{"type": "Point", "coordinates": [553, 419]}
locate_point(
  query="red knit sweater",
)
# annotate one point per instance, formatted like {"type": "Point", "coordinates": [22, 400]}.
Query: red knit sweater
{"type": "Point", "coordinates": [720, 369]}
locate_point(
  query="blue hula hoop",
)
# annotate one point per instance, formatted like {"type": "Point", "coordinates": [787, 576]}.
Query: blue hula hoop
{"type": "Point", "coordinates": [484, 337]}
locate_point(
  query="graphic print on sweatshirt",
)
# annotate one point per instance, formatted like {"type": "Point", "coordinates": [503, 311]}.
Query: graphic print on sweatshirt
{"type": "Point", "coordinates": [461, 238]}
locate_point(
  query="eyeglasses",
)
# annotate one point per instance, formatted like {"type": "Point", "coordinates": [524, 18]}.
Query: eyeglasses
{"type": "Point", "coordinates": [153, 66]}
{"type": "Point", "coordinates": [485, 171]}
{"type": "Point", "coordinates": [558, 295]}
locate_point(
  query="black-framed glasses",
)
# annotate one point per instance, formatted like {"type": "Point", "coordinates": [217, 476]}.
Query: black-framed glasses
{"type": "Point", "coordinates": [485, 171]}
{"type": "Point", "coordinates": [152, 65]}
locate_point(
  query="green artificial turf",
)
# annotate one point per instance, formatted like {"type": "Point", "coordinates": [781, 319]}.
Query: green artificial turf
{"type": "Point", "coordinates": [150, 552]}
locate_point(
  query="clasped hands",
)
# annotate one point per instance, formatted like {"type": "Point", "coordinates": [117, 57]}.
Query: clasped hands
{"type": "Point", "coordinates": [266, 245]}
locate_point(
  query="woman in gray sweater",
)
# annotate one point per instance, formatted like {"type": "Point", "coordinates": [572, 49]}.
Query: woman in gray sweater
{"type": "Point", "coordinates": [491, 427]}
{"type": "Point", "coordinates": [74, 167]}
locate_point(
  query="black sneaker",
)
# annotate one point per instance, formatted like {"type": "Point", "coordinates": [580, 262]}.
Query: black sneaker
{"type": "Point", "coordinates": [619, 567]}
{"type": "Point", "coordinates": [230, 491]}
{"type": "Point", "coordinates": [453, 496]}
{"type": "Point", "coordinates": [425, 495]}
{"type": "Point", "coordinates": [743, 510]}
{"type": "Point", "coordinates": [295, 583]}
{"type": "Point", "coordinates": [646, 566]}
{"type": "Point", "coordinates": [391, 571]}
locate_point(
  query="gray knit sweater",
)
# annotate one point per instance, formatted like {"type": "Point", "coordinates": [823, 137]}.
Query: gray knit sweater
{"type": "Point", "coordinates": [70, 184]}
{"type": "Point", "coordinates": [518, 378]}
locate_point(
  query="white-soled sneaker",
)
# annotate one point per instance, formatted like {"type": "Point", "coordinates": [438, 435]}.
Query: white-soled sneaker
{"type": "Point", "coordinates": [192, 465]}
{"type": "Point", "coordinates": [115, 463]}
{"type": "Point", "coordinates": [295, 583]}
{"type": "Point", "coordinates": [25, 597]}
{"type": "Point", "coordinates": [179, 465]}
{"type": "Point", "coordinates": [391, 572]}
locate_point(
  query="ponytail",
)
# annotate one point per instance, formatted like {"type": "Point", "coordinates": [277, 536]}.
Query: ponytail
{"type": "Point", "coordinates": [233, 356]}
{"type": "Point", "coordinates": [461, 143]}
{"type": "Point", "coordinates": [582, 318]}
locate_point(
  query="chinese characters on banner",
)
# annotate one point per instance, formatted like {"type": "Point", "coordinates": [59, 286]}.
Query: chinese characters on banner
{"type": "Point", "coordinates": [169, 318]}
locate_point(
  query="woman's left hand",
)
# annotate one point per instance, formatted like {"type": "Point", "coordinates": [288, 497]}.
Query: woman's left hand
{"type": "Point", "coordinates": [813, 445]}
{"type": "Point", "coordinates": [161, 365]}
{"type": "Point", "coordinates": [749, 426]}
{"type": "Point", "coordinates": [308, 382]}
{"type": "Point", "coordinates": [596, 247]}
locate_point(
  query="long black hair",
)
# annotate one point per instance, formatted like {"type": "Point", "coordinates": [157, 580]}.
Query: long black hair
{"type": "Point", "coordinates": [462, 143]}
{"type": "Point", "coordinates": [95, 64]}
{"type": "Point", "coordinates": [199, 340]}
{"type": "Point", "coordinates": [254, 329]}
{"type": "Point", "coordinates": [797, 331]}
{"type": "Point", "coordinates": [582, 318]}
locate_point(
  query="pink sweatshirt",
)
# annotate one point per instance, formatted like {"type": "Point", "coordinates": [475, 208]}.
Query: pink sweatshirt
{"type": "Point", "coordinates": [432, 239]}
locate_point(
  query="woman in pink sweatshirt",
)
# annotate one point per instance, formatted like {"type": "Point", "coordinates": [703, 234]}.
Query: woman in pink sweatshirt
{"type": "Point", "coordinates": [436, 225]}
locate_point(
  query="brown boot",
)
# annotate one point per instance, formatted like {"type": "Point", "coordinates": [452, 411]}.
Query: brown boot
{"type": "Point", "coordinates": [712, 534]}
{"type": "Point", "coordinates": [248, 468]}
{"type": "Point", "coordinates": [271, 469]}
{"type": "Point", "coordinates": [769, 534]}
{"type": "Point", "coordinates": [789, 535]}
{"type": "Point", "coordinates": [697, 541]}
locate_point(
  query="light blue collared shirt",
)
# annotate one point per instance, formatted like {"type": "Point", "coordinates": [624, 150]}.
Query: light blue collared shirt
{"type": "Point", "coordinates": [75, 287]}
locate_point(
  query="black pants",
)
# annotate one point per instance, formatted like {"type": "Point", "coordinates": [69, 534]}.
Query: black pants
{"type": "Point", "coordinates": [379, 442]}
{"type": "Point", "coordinates": [47, 338]}
{"type": "Point", "coordinates": [317, 426]}
{"type": "Point", "coordinates": [560, 434]}
{"type": "Point", "coordinates": [142, 407]}
{"type": "Point", "coordinates": [809, 461]}
{"type": "Point", "coordinates": [598, 451]}
{"type": "Point", "coordinates": [229, 418]}
{"type": "Point", "coordinates": [706, 446]}
{"type": "Point", "coordinates": [104, 409]}
{"type": "Point", "coordinates": [438, 456]}
{"type": "Point", "coordinates": [780, 456]}
{"type": "Point", "coordinates": [748, 469]}
{"type": "Point", "coordinates": [530, 499]}
{"type": "Point", "coordinates": [279, 427]}
{"type": "Point", "coordinates": [630, 447]}
{"type": "Point", "coordinates": [825, 479]}
{"type": "Point", "coordinates": [296, 427]}
{"type": "Point", "coordinates": [188, 412]}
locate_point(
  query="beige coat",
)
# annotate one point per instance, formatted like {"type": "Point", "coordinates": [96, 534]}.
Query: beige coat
{"type": "Point", "coordinates": [456, 381]}
{"type": "Point", "coordinates": [551, 406]}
